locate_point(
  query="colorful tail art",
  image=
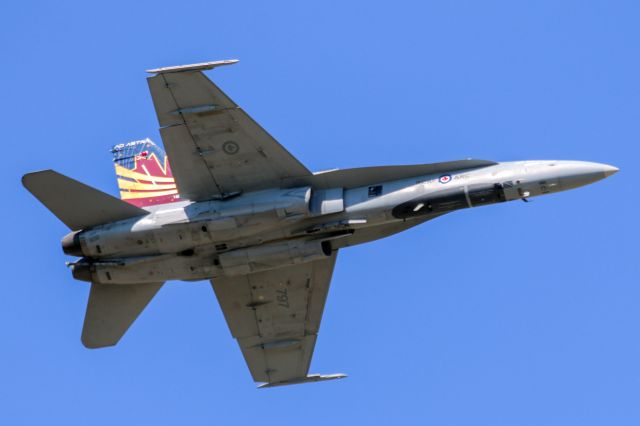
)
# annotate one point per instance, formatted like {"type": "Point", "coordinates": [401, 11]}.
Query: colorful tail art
{"type": "Point", "coordinates": [144, 174]}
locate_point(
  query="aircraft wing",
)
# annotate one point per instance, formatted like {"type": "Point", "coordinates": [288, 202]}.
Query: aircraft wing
{"type": "Point", "coordinates": [275, 316]}
{"type": "Point", "coordinates": [214, 147]}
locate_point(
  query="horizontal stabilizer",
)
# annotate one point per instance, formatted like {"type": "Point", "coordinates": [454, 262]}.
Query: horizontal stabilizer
{"type": "Point", "coordinates": [308, 379]}
{"type": "Point", "coordinates": [78, 205]}
{"type": "Point", "coordinates": [111, 310]}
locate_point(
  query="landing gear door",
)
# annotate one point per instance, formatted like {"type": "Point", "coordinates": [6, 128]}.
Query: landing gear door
{"type": "Point", "coordinates": [327, 201]}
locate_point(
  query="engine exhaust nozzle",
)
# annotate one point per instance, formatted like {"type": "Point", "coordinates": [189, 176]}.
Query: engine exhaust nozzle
{"type": "Point", "coordinates": [81, 271]}
{"type": "Point", "coordinates": [71, 244]}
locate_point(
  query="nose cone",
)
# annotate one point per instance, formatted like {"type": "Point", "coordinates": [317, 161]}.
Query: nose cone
{"type": "Point", "coordinates": [579, 173]}
{"type": "Point", "coordinates": [609, 170]}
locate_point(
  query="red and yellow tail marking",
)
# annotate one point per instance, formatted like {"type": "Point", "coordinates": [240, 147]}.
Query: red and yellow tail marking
{"type": "Point", "coordinates": [149, 182]}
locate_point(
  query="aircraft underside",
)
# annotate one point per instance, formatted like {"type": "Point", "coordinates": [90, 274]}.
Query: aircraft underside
{"type": "Point", "coordinates": [235, 207]}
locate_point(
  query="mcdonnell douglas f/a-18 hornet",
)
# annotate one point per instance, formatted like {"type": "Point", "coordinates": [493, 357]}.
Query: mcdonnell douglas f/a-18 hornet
{"type": "Point", "coordinates": [236, 208]}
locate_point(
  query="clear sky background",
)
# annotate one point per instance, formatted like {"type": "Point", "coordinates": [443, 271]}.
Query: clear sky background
{"type": "Point", "coordinates": [514, 314]}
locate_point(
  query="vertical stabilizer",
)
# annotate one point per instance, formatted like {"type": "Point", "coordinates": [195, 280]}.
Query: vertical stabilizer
{"type": "Point", "coordinates": [144, 174]}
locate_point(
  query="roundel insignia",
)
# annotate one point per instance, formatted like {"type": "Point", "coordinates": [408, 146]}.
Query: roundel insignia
{"type": "Point", "coordinates": [445, 179]}
{"type": "Point", "coordinates": [230, 147]}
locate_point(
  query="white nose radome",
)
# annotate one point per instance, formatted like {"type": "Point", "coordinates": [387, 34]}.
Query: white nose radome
{"type": "Point", "coordinates": [609, 170]}
{"type": "Point", "coordinates": [574, 174]}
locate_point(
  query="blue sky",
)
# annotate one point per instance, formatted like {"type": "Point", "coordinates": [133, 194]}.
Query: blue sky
{"type": "Point", "coordinates": [516, 314]}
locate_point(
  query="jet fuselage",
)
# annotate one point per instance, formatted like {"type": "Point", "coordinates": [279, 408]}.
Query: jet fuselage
{"type": "Point", "coordinates": [234, 206]}
{"type": "Point", "coordinates": [272, 228]}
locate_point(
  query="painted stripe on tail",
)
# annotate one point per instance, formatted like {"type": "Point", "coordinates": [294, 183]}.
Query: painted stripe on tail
{"type": "Point", "coordinates": [144, 174]}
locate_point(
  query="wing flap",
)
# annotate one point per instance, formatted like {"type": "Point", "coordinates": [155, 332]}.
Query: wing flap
{"type": "Point", "coordinates": [236, 301]}
{"type": "Point", "coordinates": [184, 156]}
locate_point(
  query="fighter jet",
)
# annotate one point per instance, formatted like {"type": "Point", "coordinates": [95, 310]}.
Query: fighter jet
{"type": "Point", "coordinates": [234, 207]}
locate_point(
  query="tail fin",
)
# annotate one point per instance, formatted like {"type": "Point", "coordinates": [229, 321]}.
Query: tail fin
{"type": "Point", "coordinates": [144, 174]}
